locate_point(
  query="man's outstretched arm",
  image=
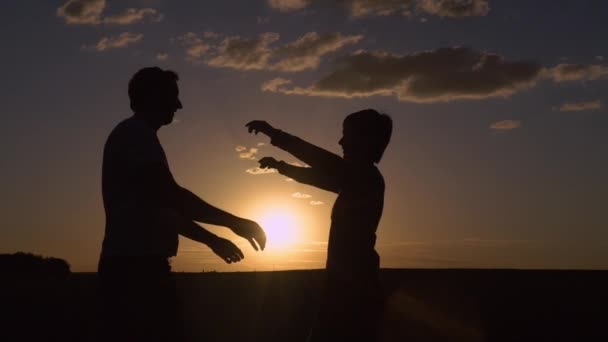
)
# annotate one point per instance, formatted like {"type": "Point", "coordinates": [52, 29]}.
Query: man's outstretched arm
{"type": "Point", "coordinates": [160, 186]}
{"type": "Point", "coordinates": [224, 248]}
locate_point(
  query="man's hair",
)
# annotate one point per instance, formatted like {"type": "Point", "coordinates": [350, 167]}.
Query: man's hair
{"type": "Point", "coordinates": [148, 85]}
{"type": "Point", "coordinates": [374, 127]}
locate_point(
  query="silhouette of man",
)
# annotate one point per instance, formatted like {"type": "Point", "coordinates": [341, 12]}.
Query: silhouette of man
{"type": "Point", "coordinates": [145, 211]}
{"type": "Point", "coordinates": [352, 300]}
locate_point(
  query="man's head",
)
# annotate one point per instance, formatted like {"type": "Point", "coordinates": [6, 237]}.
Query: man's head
{"type": "Point", "coordinates": [154, 92]}
{"type": "Point", "coordinates": [365, 135]}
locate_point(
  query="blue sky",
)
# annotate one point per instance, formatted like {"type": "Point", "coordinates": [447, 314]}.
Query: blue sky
{"type": "Point", "coordinates": [502, 167]}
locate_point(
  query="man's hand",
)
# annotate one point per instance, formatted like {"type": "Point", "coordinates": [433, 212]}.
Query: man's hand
{"type": "Point", "coordinates": [269, 162]}
{"type": "Point", "coordinates": [252, 232]}
{"type": "Point", "coordinates": [226, 250]}
{"type": "Point", "coordinates": [256, 126]}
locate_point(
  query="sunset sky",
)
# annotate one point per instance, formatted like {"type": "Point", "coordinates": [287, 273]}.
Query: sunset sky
{"type": "Point", "coordinates": [499, 155]}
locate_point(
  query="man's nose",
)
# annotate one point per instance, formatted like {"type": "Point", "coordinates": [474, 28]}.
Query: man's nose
{"type": "Point", "coordinates": [179, 104]}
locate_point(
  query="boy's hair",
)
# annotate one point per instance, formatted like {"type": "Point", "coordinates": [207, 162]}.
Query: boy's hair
{"type": "Point", "coordinates": [375, 127]}
{"type": "Point", "coordinates": [148, 85]}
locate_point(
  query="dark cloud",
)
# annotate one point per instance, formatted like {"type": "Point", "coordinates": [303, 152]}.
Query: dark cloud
{"type": "Point", "coordinates": [82, 11]}
{"type": "Point", "coordinates": [439, 75]}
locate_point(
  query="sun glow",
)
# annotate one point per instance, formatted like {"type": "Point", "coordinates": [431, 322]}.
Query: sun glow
{"type": "Point", "coordinates": [281, 227]}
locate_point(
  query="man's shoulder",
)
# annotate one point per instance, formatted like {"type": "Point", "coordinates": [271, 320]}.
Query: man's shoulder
{"type": "Point", "coordinates": [131, 129]}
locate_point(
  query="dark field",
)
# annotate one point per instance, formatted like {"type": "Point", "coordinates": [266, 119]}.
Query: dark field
{"type": "Point", "coordinates": [421, 305]}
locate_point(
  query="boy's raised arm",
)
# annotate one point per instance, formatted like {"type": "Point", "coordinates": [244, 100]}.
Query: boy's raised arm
{"type": "Point", "coordinates": [318, 158]}
{"type": "Point", "coordinates": [307, 175]}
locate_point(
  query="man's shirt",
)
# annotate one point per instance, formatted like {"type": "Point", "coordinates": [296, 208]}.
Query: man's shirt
{"type": "Point", "coordinates": [135, 224]}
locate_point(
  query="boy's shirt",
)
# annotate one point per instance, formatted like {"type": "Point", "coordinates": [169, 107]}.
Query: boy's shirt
{"type": "Point", "coordinates": [356, 212]}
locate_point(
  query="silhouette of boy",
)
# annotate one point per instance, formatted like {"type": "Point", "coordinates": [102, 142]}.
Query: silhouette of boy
{"type": "Point", "coordinates": [145, 211]}
{"type": "Point", "coordinates": [352, 300]}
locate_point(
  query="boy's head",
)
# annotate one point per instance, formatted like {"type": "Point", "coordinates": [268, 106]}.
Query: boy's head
{"type": "Point", "coordinates": [154, 91]}
{"type": "Point", "coordinates": [365, 135]}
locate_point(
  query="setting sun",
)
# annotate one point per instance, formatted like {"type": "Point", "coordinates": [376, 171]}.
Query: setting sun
{"type": "Point", "coordinates": [281, 226]}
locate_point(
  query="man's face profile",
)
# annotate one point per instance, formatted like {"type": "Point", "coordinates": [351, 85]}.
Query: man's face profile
{"type": "Point", "coordinates": [168, 104]}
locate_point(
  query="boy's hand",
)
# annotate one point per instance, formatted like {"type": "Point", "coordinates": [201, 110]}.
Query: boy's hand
{"type": "Point", "coordinates": [252, 232]}
{"type": "Point", "coordinates": [269, 162]}
{"type": "Point", "coordinates": [226, 250]}
{"type": "Point", "coordinates": [256, 126]}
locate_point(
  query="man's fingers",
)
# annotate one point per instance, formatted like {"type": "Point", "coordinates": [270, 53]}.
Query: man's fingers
{"type": "Point", "coordinates": [252, 242]}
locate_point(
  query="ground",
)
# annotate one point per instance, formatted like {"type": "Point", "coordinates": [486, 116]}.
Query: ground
{"type": "Point", "coordinates": [421, 305]}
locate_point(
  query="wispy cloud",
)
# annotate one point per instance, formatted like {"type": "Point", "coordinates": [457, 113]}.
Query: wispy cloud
{"type": "Point", "coordinates": [506, 125]}
{"type": "Point", "coordinates": [580, 106]}
{"type": "Point", "coordinates": [162, 56]}
{"type": "Point", "coordinates": [363, 8]}
{"type": "Point", "coordinates": [259, 171]}
{"type": "Point", "coordinates": [133, 15]}
{"type": "Point", "coordinates": [115, 42]}
{"type": "Point", "coordinates": [316, 203]}
{"type": "Point", "coordinates": [89, 12]}
{"type": "Point", "coordinates": [249, 154]}
{"type": "Point", "coordinates": [246, 153]}
{"type": "Point", "coordinates": [260, 53]}
{"type": "Point", "coordinates": [300, 195]}
{"type": "Point", "coordinates": [577, 72]}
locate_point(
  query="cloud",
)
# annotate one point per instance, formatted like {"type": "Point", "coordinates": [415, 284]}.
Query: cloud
{"type": "Point", "coordinates": [259, 171]}
{"type": "Point", "coordinates": [90, 12]}
{"type": "Point", "coordinates": [244, 54]}
{"type": "Point", "coordinates": [577, 72]}
{"type": "Point", "coordinates": [120, 41]}
{"type": "Point", "coordinates": [439, 75]}
{"type": "Point", "coordinates": [162, 56]}
{"type": "Point", "coordinates": [316, 203]}
{"type": "Point", "coordinates": [363, 8]}
{"type": "Point", "coordinates": [305, 52]}
{"type": "Point", "coordinates": [195, 47]}
{"type": "Point", "coordinates": [260, 144]}
{"type": "Point", "coordinates": [262, 20]}
{"type": "Point", "coordinates": [300, 195]}
{"type": "Point", "coordinates": [455, 8]}
{"type": "Point", "coordinates": [240, 148]}
{"type": "Point", "coordinates": [288, 5]}
{"type": "Point", "coordinates": [133, 15]}
{"type": "Point", "coordinates": [506, 125]}
{"type": "Point", "coordinates": [259, 53]}
{"type": "Point", "coordinates": [82, 11]}
{"type": "Point", "coordinates": [579, 106]}
{"type": "Point", "coordinates": [249, 155]}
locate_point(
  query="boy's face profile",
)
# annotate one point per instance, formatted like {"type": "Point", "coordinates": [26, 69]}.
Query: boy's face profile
{"type": "Point", "coordinates": [354, 147]}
